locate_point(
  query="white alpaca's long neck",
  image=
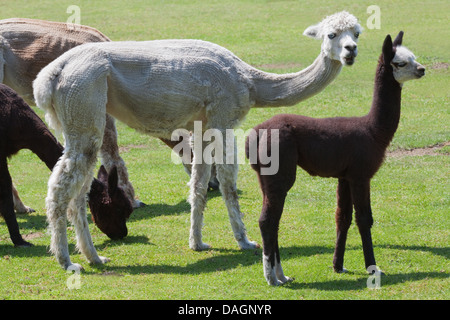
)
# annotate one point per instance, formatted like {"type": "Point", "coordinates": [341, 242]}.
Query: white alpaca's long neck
{"type": "Point", "coordinates": [274, 90]}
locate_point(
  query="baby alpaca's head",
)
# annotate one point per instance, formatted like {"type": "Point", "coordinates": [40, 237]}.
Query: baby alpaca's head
{"type": "Point", "coordinates": [403, 62]}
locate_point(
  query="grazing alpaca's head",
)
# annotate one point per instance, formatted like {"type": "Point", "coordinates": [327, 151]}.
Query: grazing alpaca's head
{"type": "Point", "coordinates": [109, 205]}
{"type": "Point", "coordinates": [339, 33]}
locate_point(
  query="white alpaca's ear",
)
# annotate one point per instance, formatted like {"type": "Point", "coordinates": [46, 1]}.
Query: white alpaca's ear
{"type": "Point", "coordinates": [312, 31]}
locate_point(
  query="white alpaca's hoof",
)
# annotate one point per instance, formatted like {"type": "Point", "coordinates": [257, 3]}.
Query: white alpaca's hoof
{"type": "Point", "coordinates": [74, 267]}
{"type": "Point", "coordinates": [247, 245]}
{"type": "Point", "coordinates": [104, 260]}
{"type": "Point", "coordinates": [199, 246]}
{"type": "Point", "coordinates": [100, 260]}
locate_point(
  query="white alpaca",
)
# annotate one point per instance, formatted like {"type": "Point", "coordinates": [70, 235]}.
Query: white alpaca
{"type": "Point", "coordinates": [158, 87]}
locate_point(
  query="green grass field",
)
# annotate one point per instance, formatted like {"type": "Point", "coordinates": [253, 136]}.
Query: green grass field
{"type": "Point", "coordinates": [410, 193]}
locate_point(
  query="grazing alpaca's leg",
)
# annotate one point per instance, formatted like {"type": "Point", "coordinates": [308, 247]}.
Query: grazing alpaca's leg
{"type": "Point", "coordinates": [7, 205]}
{"type": "Point", "coordinates": [110, 158]}
{"type": "Point", "coordinates": [343, 221]}
{"type": "Point", "coordinates": [363, 215]}
{"type": "Point", "coordinates": [19, 207]}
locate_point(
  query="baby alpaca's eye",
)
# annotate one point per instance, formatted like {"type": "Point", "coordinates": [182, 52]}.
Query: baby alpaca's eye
{"type": "Point", "coordinates": [399, 65]}
{"type": "Point", "coordinates": [356, 34]}
{"type": "Point", "coordinates": [332, 35]}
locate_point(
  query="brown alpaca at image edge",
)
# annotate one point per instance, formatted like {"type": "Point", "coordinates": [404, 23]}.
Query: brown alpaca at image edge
{"type": "Point", "coordinates": [21, 128]}
{"type": "Point", "coordinates": [350, 149]}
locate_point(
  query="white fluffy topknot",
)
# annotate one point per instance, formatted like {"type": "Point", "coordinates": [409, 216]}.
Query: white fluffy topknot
{"type": "Point", "coordinates": [340, 21]}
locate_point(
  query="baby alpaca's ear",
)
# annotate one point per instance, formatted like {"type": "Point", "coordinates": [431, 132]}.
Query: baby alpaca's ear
{"type": "Point", "coordinates": [312, 32]}
{"type": "Point", "coordinates": [388, 52]}
{"type": "Point", "coordinates": [102, 174]}
{"type": "Point", "coordinates": [113, 181]}
{"type": "Point", "coordinates": [398, 40]}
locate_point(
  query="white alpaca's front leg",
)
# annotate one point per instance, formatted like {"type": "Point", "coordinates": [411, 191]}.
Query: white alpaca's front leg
{"type": "Point", "coordinates": [227, 176]}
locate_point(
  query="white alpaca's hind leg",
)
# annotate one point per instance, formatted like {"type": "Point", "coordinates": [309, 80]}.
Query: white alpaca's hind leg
{"type": "Point", "coordinates": [57, 223]}
{"type": "Point", "coordinates": [79, 109]}
{"type": "Point", "coordinates": [78, 217]}
{"type": "Point", "coordinates": [63, 185]}
{"type": "Point", "coordinates": [67, 182]}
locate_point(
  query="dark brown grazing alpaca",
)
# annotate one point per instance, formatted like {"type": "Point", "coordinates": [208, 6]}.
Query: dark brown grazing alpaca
{"type": "Point", "coordinates": [21, 128]}
{"type": "Point", "coordinates": [109, 205]}
{"type": "Point", "coordinates": [350, 149]}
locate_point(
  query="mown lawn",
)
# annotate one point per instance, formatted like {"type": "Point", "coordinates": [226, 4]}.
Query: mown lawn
{"type": "Point", "coordinates": [410, 193]}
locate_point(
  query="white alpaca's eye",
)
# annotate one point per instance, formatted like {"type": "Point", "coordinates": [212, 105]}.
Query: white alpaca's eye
{"type": "Point", "coordinates": [356, 34]}
{"type": "Point", "coordinates": [332, 35]}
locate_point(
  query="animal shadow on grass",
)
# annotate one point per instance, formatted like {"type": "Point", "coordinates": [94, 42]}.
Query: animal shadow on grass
{"type": "Point", "coordinates": [230, 260]}
{"type": "Point", "coordinates": [32, 221]}
{"type": "Point", "coordinates": [32, 227]}
{"type": "Point", "coordinates": [361, 282]}
{"type": "Point", "coordinates": [153, 210]}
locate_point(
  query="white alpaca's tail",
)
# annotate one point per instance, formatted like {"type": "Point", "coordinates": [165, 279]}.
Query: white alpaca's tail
{"type": "Point", "coordinates": [43, 89]}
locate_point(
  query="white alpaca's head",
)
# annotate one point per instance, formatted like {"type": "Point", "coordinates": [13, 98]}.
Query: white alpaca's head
{"type": "Point", "coordinates": [339, 34]}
